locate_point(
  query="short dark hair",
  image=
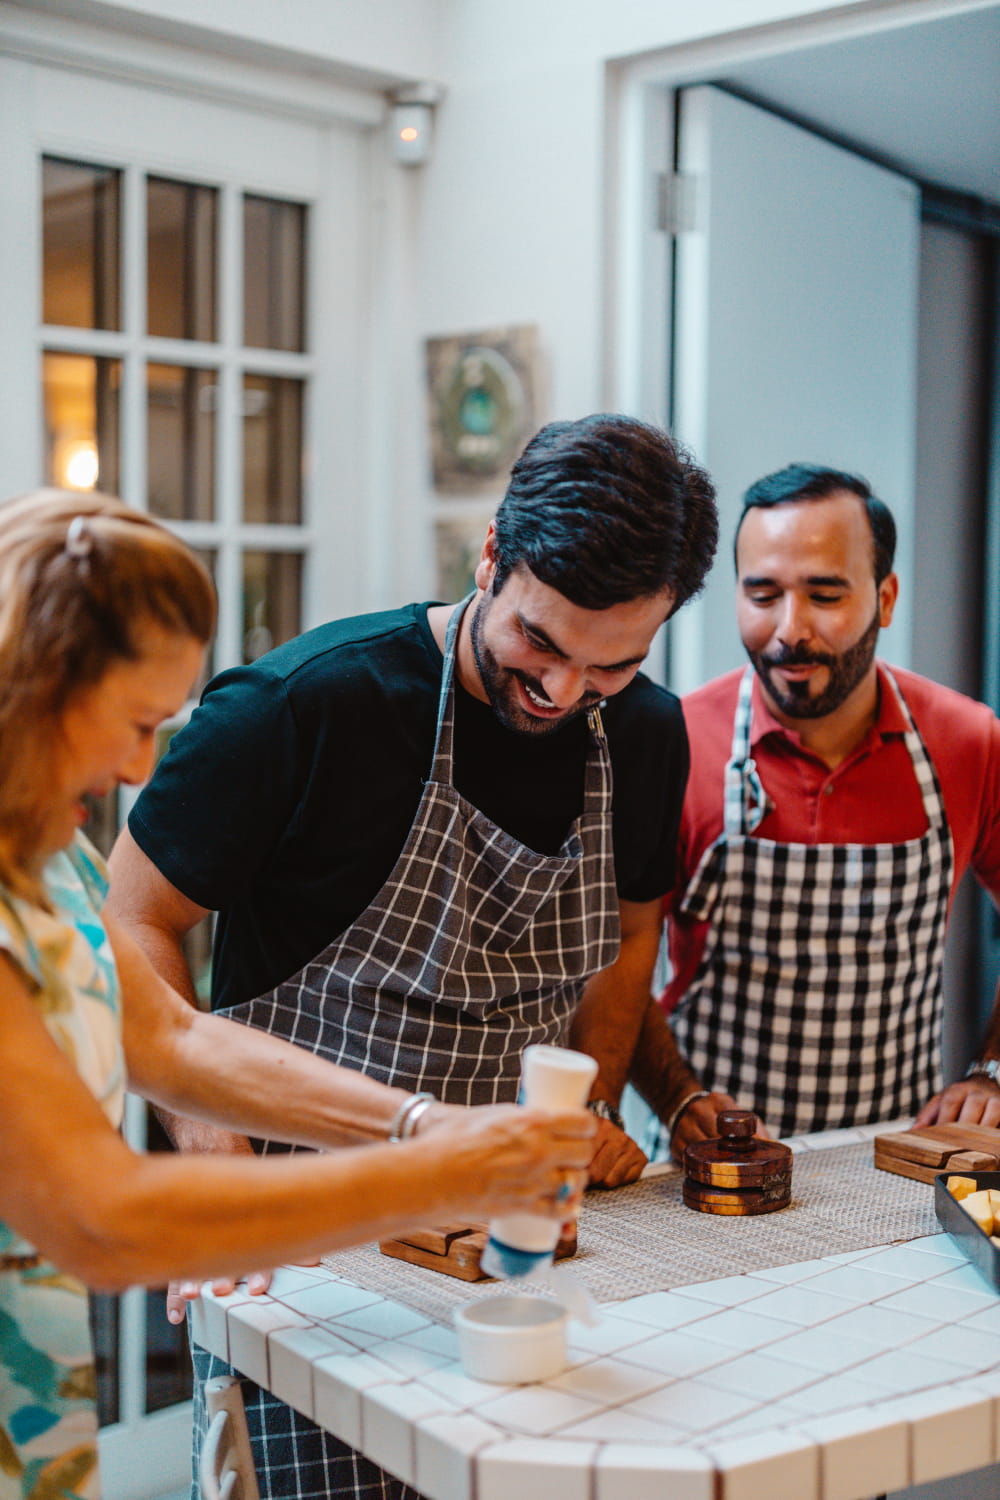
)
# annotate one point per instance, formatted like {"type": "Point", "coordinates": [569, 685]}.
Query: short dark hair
{"type": "Point", "coordinates": [605, 510]}
{"type": "Point", "coordinates": [812, 482]}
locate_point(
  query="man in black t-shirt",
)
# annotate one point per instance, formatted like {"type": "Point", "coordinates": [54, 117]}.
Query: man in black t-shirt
{"type": "Point", "coordinates": [406, 823]}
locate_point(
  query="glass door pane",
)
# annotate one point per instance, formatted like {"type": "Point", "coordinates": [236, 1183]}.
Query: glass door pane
{"type": "Point", "coordinates": [81, 212]}
{"type": "Point", "coordinates": [181, 234]}
{"type": "Point", "coordinates": [274, 282]}
{"type": "Point", "coordinates": [81, 395]}
{"type": "Point", "coordinates": [180, 440]}
{"type": "Point", "coordinates": [272, 600]}
{"type": "Point", "coordinates": [272, 450]}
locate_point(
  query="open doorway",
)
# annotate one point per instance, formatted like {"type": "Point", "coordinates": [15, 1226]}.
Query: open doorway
{"type": "Point", "coordinates": [909, 90]}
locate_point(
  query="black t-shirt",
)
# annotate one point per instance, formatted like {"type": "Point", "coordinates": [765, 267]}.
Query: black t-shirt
{"type": "Point", "coordinates": [285, 802]}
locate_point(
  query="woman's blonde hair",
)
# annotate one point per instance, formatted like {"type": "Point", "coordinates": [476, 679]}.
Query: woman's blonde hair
{"type": "Point", "coordinates": [84, 580]}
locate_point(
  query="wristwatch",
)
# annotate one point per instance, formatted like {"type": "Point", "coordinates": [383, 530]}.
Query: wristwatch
{"type": "Point", "coordinates": [605, 1111]}
{"type": "Point", "coordinates": [987, 1067]}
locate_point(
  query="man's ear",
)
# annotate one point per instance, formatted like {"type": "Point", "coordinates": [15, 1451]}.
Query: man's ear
{"type": "Point", "coordinates": [487, 565]}
{"type": "Point", "coordinates": [888, 593]}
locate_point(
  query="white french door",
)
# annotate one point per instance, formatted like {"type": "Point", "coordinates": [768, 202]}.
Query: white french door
{"type": "Point", "coordinates": [184, 300]}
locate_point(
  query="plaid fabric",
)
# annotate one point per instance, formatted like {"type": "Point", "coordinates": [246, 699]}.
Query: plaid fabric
{"type": "Point", "coordinates": [295, 1459]}
{"type": "Point", "coordinates": [818, 997]}
{"type": "Point", "coordinates": [475, 947]}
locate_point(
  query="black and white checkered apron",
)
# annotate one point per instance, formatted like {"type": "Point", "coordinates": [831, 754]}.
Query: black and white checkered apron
{"type": "Point", "coordinates": [475, 947]}
{"type": "Point", "coordinates": [818, 997]}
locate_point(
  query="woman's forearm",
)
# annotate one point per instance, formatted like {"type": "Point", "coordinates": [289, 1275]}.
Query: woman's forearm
{"type": "Point", "coordinates": [129, 1219]}
{"type": "Point", "coordinates": [246, 1080]}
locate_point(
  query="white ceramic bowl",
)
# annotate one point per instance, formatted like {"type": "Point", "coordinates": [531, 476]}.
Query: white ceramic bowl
{"type": "Point", "coordinates": [512, 1340]}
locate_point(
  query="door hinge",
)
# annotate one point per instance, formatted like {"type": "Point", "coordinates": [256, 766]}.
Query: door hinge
{"type": "Point", "coordinates": [676, 202]}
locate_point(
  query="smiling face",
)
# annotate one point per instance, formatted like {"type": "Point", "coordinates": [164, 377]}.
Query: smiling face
{"type": "Point", "coordinates": [539, 660]}
{"type": "Point", "coordinates": [107, 732]}
{"type": "Point", "coordinates": [808, 608]}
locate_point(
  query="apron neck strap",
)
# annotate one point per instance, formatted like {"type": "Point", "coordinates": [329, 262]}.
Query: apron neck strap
{"type": "Point", "coordinates": [442, 766]}
{"type": "Point", "coordinates": [746, 803]}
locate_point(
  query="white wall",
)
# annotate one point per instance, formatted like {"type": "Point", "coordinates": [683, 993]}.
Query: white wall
{"type": "Point", "coordinates": [518, 201]}
{"type": "Point", "coordinates": [509, 223]}
{"type": "Point", "coordinates": [515, 227]}
{"type": "Point", "coordinates": [387, 38]}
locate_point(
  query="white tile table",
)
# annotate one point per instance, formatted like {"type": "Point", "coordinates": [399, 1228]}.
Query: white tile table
{"type": "Point", "coordinates": [833, 1379]}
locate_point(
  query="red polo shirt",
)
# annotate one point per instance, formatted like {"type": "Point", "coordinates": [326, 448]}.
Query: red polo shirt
{"type": "Point", "coordinates": [871, 798]}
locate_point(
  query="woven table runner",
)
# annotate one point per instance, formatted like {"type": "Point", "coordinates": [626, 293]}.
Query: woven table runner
{"type": "Point", "coordinates": [643, 1239]}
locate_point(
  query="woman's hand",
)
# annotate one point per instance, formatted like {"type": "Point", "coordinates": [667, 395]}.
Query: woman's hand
{"type": "Point", "coordinates": [507, 1159]}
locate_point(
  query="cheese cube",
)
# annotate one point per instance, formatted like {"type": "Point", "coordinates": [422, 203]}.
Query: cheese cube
{"type": "Point", "coordinates": [961, 1187]}
{"type": "Point", "coordinates": [981, 1209]}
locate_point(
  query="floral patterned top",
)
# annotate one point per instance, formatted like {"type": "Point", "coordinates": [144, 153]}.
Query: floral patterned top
{"type": "Point", "coordinates": [48, 1421]}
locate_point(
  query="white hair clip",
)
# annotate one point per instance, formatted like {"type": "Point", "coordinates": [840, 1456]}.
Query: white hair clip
{"type": "Point", "coordinates": [79, 537]}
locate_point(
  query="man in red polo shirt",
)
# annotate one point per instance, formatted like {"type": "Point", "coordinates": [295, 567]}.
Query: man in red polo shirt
{"type": "Point", "coordinates": [832, 807]}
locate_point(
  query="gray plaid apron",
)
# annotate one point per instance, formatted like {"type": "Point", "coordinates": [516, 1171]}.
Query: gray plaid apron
{"type": "Point", "coordinates": [818, 996]}
{"type": "Point", "coordinates": [475, 947]}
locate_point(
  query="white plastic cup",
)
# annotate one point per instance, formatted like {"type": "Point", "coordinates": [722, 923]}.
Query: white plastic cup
{"type": "Point", "coordinates": [511, 1340]}
{"type": "Point", "coordinates": [551, 1078]}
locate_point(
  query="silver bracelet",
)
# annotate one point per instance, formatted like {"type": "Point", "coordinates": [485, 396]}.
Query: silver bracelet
{"type": "Point", "coordinates": [688, 1099]}
{"type": "Point", "coordinates": [404, 1121]}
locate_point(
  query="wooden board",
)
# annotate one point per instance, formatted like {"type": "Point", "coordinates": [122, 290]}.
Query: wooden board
{"type": "Point", "coordinates": [453, 1249]}
{"type": "Point", "coordinates": [923, 1153]}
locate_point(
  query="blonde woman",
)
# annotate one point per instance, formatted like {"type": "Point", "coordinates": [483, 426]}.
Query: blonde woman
{"type": "Point", "coordinates": [103, 619]}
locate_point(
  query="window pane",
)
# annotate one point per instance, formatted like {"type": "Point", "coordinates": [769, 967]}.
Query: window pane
{"type": "Point", "coordinates": [274, 260]}
{"type": "Point", "coordinates": [81, 396]}
{"type": "Point", "coordinates": [104, 1319]}
{"type": "Point", "coordinates": [81, 207]}
{"type": "Point", "coordinates": [103, 821]}
{"type": "Point", "coordinates": [180, 405]}
{"type": "Point", "coordinates": [272, 450]}
{"type": "Point", "coordinates": [168, 1362]}
{"type": "Point", "coordinates": [181, 220]}
{"type": "Point", "coordinates": [208, 556]}
{"type": "Point", "coordinates": [272, 600]}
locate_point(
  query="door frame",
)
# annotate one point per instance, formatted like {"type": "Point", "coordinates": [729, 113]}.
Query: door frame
{"type": "Point", "coordinates": [640, 149]}
{"type": "Point", "coordinates": [640, 143]}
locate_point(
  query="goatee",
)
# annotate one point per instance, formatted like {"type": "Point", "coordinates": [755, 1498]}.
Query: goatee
{"type": "Point", "coordinates": [846, 671]}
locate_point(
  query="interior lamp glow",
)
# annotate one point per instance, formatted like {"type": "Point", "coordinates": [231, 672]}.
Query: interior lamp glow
{"type": "Point", "coordinates": [80, 466]}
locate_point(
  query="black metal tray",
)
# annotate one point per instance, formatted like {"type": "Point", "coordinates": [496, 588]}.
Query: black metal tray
{"type": "Point", "coordinates": [964, 1230]}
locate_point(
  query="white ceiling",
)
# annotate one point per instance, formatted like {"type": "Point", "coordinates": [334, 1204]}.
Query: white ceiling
{"type": "Point", "coordinates": [924, 99]}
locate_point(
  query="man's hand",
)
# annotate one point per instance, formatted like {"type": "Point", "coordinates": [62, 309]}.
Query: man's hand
{"type": "Point", "coordinates": [617, 1159]}
{"type": "Point", "coordinates": [973, 1101]}
{"type": "Point", "coordinates": [697, 1123]}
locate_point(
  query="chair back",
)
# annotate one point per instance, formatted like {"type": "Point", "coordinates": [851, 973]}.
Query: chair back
{"type": "Point", "coordinates": [226, 1470]}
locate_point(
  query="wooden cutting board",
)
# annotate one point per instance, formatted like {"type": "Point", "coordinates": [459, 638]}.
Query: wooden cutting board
{"type": "Point", "coordinates": [454, 1249]}
{"type": "Point", "coordinates": [938, 1148]}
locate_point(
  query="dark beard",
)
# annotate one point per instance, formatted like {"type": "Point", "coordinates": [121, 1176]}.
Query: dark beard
{"type": "Point", "coordinates": [497, 684]}
{"type": "Point", "coordinates": [846, 671]}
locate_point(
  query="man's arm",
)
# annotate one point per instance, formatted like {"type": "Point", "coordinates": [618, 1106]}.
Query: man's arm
{"type": "Point", "coordinates": [158, 917]}
{"type": "Point", "coordinates": [607, 1024]}
{"type": "Point", "coordinates": [673, 1092]}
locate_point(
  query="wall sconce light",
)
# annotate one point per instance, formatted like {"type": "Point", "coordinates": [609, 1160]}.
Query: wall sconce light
{"type": "Point", "coordinates": [411, 123]}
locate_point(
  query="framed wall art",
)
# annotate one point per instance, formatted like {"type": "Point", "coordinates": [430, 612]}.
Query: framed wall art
{"type": "Point", "coordinates": [482, 406]}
